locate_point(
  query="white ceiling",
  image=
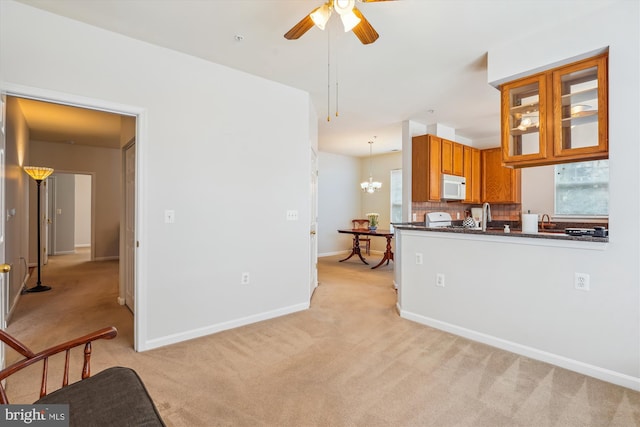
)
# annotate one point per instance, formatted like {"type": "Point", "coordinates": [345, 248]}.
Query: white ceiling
{"type": "Point", "coordinates": [429, 64]}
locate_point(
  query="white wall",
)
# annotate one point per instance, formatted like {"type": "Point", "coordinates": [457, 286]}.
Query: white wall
{"type": "Point", "coordinates": [538, 190]}
{"type": "Point", "coordinates": [227, 151]}
{"type": "Point", "coordinates": [83, 211]}
{"type": "Point", "coordinates": [522, 297]}
{"type": "Point", "coordinates": [338, 201]}
{"type": "Point", "coordinates": [17, 188]}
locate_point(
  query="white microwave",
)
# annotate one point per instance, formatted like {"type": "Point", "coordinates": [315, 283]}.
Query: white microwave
{"type": "Point", "coordinates": [453, 187]}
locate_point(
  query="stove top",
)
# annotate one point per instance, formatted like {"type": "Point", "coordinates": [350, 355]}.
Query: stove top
{"type": "Point", "coordinates": [596, 232]}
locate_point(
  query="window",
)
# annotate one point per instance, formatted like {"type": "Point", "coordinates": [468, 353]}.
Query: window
{"type": "Point", "coordinates": [396, 195]}
{"type": "Point", "coordinates": [582, 189]}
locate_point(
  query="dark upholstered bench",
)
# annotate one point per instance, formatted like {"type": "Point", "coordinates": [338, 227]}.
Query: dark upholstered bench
{"type": "Point", "coordinates": [113, 397]}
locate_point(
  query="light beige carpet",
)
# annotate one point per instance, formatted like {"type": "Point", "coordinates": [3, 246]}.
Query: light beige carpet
{"type": "Point", "coordinates": [349, 360]}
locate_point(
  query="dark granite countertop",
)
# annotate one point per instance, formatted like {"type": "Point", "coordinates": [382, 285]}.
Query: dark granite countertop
{"type": "Point", "coordinates": [499, 231]}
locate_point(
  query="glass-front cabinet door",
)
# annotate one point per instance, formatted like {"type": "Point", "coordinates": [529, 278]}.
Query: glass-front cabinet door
{"type": "Point", "coordinates": [580, 110]}
{"type": "Point", "coordinates": [556, 116]}
{"type": "Point", "coordinates": [524, 114]}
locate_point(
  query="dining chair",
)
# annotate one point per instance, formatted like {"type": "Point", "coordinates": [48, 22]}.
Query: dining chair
{"type": "Point", "coordinates": [362, 224]}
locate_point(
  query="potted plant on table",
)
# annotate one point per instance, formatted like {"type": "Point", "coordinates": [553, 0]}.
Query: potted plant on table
{"type": "Point", "coordinates": [373, 220]}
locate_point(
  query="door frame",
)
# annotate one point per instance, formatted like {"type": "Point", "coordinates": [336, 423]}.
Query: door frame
{"type": "Point", "coordinates": [140, 326]}
{"type": "Point", "coordinates": [127, 239]}
{"type": "Point", "coordinates": [52, 196]}
{"type": "Point", "coordinates": [313, 229]}
{"type": "Point", "coordinates": [4, 278]}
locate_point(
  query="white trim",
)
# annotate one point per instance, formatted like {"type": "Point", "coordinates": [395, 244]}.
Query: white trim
{"type": "Point", "coordinates": [326, 254]}
{"type": "Point", "coordinates": [107, 258]}
{"type": "Point", "coordinates": [65, 252]}
{"type": "Point", "coordinates": [231, 324]}
{"type": "Point", "coordinates": [523, 350]}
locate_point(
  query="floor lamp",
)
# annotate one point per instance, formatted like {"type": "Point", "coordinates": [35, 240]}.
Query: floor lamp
{"type": "Point", "coordinates": [39, 174]}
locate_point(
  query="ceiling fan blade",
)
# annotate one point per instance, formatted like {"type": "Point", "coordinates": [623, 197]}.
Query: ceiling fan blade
{"type": "Point", "coordinates": [301, 27]}
{"type": "Point", "coordinates": [364, 31]}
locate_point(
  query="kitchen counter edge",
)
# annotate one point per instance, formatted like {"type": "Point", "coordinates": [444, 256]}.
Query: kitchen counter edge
{"type": "Point", "coordinates": [500, 232]}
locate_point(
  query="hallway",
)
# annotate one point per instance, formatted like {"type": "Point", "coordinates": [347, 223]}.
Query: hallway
{"type": "Point", "coordinates": [83, 297]}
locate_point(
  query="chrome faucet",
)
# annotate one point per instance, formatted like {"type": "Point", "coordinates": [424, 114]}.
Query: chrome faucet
{"type": "Point", "coordinates": [486, 215]}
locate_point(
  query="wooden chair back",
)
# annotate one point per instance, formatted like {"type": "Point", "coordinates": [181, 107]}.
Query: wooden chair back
{"type": "Point", "coordinates": [30, 357]}
{"type": "Point", "coordinates": [360, 224]}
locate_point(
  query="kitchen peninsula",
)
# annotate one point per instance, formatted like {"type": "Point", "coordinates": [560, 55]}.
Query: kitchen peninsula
{"type": "Point", "coordinates": [507, 290]}
{"type": "Point", "coordinates": [552, 235]}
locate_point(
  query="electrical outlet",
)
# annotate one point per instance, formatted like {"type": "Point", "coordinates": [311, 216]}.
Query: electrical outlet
{"type": "Point", "coordinates": [418, 258]}
{"type": "Point", "coordinates": [440, 280]}
{"type": "Point", "coordinates": [581, 281]}
{"type": "Point", "coordinates": [244, 279]}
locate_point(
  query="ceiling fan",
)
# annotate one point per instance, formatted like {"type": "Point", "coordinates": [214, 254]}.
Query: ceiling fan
{"type": "Point", "coordinates": [351, 17]}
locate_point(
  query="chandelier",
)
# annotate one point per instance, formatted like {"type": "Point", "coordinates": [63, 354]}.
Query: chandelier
{"type": "Point", "coordinates": [370, 186]}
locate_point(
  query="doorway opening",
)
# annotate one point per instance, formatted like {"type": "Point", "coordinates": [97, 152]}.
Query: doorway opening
{"type": "Point", "coordinates": [70, 214]}
{"type": "Point", "coordinates": [85, 148]}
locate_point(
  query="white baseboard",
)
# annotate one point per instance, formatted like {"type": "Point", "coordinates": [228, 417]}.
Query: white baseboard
{"type": "Point", "coordinates": [523, 350]}
{"type": "Point", "coordinates": [325, 254]}
{"type": "Point", "coordinates": [345, 252]}
{"type": "Point", "coordinates": [83, 245]}
{"type": "Point", "coordinates": [107, 258]}
{"type": "Point", "coordinates": [208, 330]}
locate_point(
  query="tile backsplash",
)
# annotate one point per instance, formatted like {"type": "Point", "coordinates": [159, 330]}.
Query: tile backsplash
{"type": "Point", "coordinates": [499, 212]}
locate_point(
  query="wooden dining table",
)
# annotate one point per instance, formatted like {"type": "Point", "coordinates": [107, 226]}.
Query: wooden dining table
{"type": "Point", "coordinates": [355, 249]}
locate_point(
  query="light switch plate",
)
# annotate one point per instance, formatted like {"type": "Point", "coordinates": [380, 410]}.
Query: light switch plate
{"type": "Point", "coordinates": [169, 216]}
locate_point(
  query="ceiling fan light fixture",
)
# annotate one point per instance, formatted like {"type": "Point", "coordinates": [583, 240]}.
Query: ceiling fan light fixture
{"type": "Point", "coordinates": [321, 16]}
{"type": "Point", "coordinates": [344, 6]}
{"type": "Point", "coordinates": [349, 20]}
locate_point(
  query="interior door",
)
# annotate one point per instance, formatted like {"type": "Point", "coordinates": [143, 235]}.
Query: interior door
{"type": "Point", "coordinates": [45, 221]}
{"type": "Point", "coordinates": [50, 205]}
{"type": "Point", "coordinates": [129, 225]}
{"type": "Point", "coordinates": [313, 241]}
{"type": "Point", "coordinates": [4, 268]}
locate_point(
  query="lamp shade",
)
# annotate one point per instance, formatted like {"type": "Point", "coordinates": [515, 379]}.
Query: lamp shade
{"type": "Point", "coordinates": [37, 172]}
{"type": "Point", "coordinates": [320, 16]}
{"type": "Point", "coordinates": [349, 20]}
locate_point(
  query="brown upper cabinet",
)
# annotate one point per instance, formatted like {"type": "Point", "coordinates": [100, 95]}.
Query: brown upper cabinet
{"type": "Point", "coordinates": [432, 156]}
{"type": "Point", "coordinates": [426, 168]}
{"type": "Point", "coordinates": [557, 116]}
{"type": "Point", "coordinates": [472, 173]}
{"type": "Point", "coordinates": [452, 158]}
{"type": "Point", "coordinates": [499, 184]}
